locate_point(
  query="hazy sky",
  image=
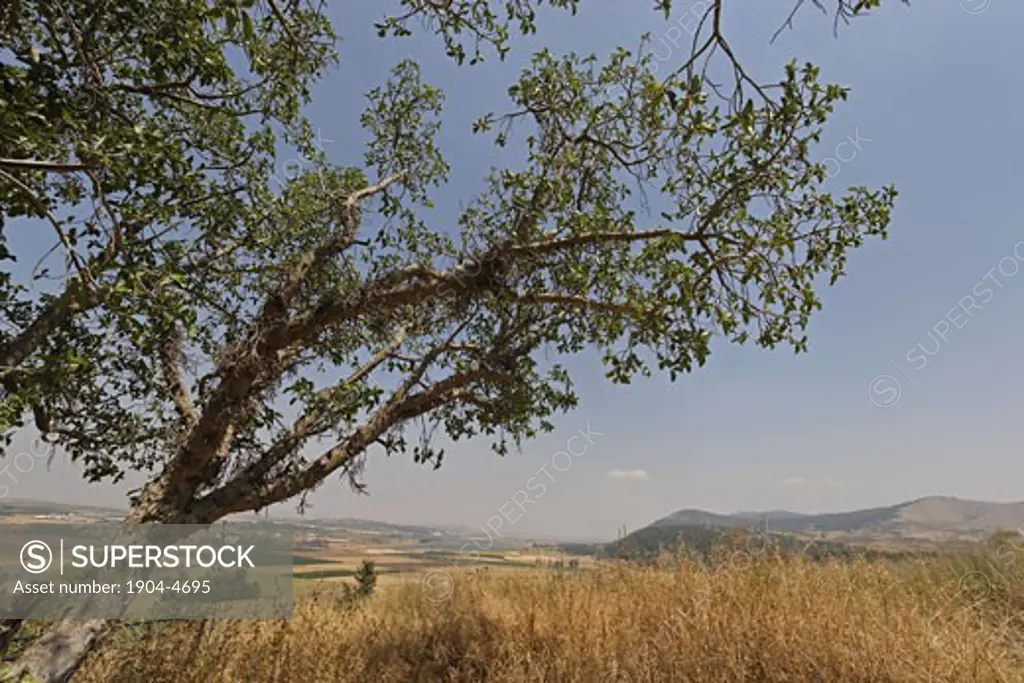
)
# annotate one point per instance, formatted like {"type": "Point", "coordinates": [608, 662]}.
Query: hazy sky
{"type": "Point", "coordinates": [936, 102]}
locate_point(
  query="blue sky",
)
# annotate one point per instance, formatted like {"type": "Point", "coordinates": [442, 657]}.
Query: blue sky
{"type": "Point", "coordinates": [935, 104]}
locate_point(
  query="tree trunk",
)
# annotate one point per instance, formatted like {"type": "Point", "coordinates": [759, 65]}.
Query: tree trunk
{"type": "Point", "coordinates": [61, 650]}
{"type": "Point", "coordinates": [8, 629]}
{"type": "Point", "coordinates": [58, 653]}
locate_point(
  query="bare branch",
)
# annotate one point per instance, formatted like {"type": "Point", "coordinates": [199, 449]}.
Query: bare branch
{"type": "Point", "coordinates": [45, 212]}
{"type": "Point", "coordinates": [46, 166]}
{"type": "Point", "coordinates": [170, 353]}
{"type": "Point", "coordinates": [285, 24]}
{"type": "Point", "coordinates": [329, 248]}
{"type": "Point", "coordinates": [308, 424]}
{"type": "Point", "coordinates": [241, 495]}
{"type": "Point", "coordinates": [256, 356]}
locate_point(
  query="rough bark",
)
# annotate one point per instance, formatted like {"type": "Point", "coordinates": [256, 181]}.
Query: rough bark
{"type": "Point", "coordinates": [8, 629]}
{"type": "Point", "coordinates": [59, 652]}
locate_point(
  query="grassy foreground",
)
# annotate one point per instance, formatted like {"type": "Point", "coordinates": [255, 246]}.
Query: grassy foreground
{"type": "Point", "coordinates": [762, 620]}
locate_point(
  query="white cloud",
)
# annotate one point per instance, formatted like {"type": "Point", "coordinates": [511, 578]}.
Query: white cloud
{"type": "Point", "coordinates": [795, 481]}
{"type": "Point", "coordinates": [627, 474]}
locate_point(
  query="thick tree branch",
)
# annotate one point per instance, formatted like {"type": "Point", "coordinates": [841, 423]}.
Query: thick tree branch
{"type": "Point", "coordinates": [262, 354]}
{"type": "Point", "coordinates": [331, 247]}
{"type": "Point", "coordinates": [400, 407]}
{"type": "Point", "coordinates": [241, 495]}
{"type": "Point", "coordinates": [46, 166]}
{"type": "Point", "coordinates": [170, 353]}
{"type": "Point", "coordinates": [51, 318]}
{"type": "Point", "coordinates": [309, 424]}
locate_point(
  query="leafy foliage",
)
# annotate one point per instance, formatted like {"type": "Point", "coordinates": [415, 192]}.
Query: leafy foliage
{"type": "Point", "coordinates": [240, 342]}
{"type": "Point", "coordinates": [142, 134]}
{"type": "Point", "coordinates": [218, 330]}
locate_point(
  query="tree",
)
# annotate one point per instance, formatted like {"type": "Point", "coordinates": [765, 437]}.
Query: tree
{"type": "Point", "coordinates": [129, 133]}
{"type": "Point", "coordinates": [651, 213]}
{"type": "Point", "coordinates": [366, 579]}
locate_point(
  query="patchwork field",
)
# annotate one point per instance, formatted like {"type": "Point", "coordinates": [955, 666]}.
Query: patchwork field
{"type": "Point", "coordinates": [402, 561]}
{"type": "Point", "coordinates": [329, 552]}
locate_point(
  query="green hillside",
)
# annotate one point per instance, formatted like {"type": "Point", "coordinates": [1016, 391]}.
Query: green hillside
{"type": "Point", "coordinates": [703, 542]}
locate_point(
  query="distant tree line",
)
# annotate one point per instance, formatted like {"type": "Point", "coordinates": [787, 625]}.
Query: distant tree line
{"type": "Point", "coordinates": [703, 544]}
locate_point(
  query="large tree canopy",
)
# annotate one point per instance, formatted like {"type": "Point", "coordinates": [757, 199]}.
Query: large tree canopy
{"type": "Point", "coordinates": [133, 140]}
{"type": "Point", "coordinates": [241, 344]}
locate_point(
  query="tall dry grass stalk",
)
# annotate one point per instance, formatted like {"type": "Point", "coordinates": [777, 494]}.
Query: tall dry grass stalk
{"type": "Point", "coordinates": [765, 620]}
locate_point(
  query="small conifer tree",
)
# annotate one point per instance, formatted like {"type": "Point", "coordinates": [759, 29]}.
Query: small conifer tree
{"type": "Point", "coordinates": [366, 578]}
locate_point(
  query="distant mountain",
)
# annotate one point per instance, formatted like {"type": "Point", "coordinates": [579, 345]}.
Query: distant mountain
{"type": "Point", "coordinates": [25, 506]}
{"type": "Point", "coordinates": [701, 542]}
{"type": "Point", "coordinates": [364, 528]}
{"type": "Point", "coordinates": [931, 518]}
{"type": "Point", "coordinates": [774, 514]}
{"type": "Point", "coordinates": [702, 518]}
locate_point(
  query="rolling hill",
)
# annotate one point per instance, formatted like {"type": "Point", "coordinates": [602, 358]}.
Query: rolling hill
{"type": "Point", "coordinates": [916, 524]}
{"type": "Point", "coordinates": [932, 518]}
{"type": "Point", "coordinates": [702, 543]}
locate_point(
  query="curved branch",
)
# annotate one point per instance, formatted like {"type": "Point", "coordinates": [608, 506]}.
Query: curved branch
{"type": "Point", "coordinates": [45, 166]}
{"type": "Point", "coordinates": [241, 494]}
{"type": "Point", "coordinates": [170, 352]}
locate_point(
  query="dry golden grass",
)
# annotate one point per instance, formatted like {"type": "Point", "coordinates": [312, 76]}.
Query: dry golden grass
{"type": "Point", "coordinates": [766, 621]}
